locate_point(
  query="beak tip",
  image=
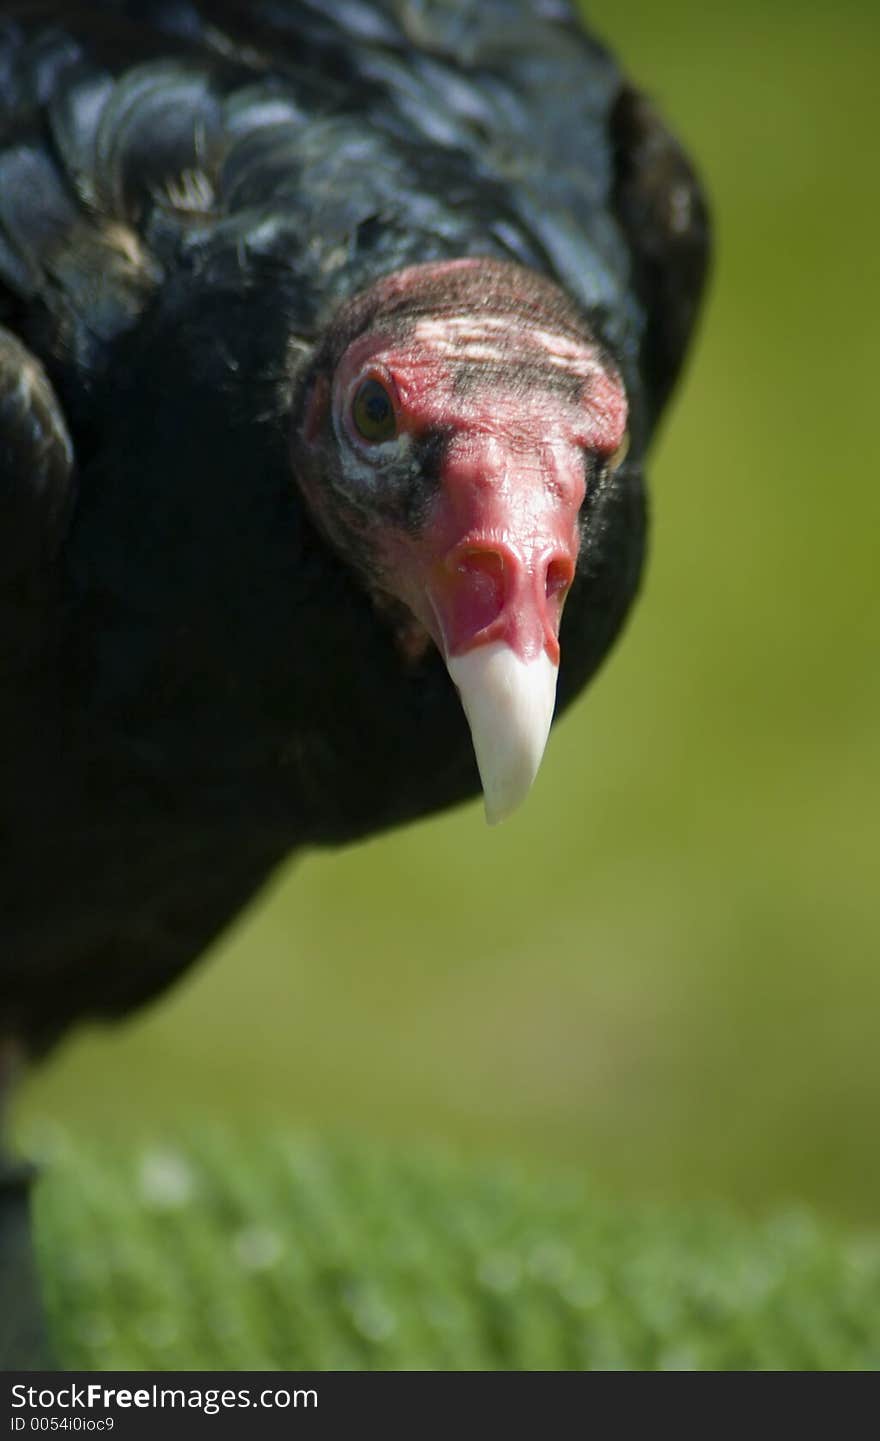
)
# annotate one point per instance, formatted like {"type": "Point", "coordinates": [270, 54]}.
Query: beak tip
{"type": "Point", "coordinates": [495, 815]}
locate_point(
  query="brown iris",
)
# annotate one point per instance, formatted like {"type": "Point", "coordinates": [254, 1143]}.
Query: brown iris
{"type": "Point", "coordinates": [373, 412]}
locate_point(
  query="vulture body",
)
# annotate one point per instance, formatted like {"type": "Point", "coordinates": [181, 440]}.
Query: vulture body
{"type": "Point", "coordinates": [213, 646]}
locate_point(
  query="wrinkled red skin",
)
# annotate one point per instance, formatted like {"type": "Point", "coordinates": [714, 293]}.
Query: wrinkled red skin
{"type": "Point", "coordinates": [520, 404]}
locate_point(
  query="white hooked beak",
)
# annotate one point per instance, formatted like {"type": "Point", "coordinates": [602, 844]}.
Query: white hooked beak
{"type": "Point", "coordinates": [509, 707]}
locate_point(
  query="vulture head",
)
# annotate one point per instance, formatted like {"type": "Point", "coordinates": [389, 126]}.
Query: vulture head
{"type": "Point", "coordinates": [444, 434]}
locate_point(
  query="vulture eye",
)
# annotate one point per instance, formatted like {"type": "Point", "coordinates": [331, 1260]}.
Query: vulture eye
{"type": "Point", "coordinates": [373, 412]}
{"type": "Point", "coordinates": [620, 453]}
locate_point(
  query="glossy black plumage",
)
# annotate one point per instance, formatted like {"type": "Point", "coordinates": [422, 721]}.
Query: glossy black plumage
{"type": "Point", "coordinates": [193, 684]}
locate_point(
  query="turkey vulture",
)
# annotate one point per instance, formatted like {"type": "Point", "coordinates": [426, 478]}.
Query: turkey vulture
{"type": "Point", "coordinates": [332, 337]}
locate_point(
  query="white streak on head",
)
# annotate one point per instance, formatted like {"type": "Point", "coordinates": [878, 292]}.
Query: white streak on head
{"type": "Point", "coordinates": [497, 338]}
{"type": "Point", "coordinates": [509, 706]}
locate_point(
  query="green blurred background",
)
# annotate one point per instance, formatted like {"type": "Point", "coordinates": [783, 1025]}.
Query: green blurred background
{"type": "Point", "coordinates": [665, 970]}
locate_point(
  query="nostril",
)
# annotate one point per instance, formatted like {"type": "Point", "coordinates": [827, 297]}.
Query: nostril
{"type": "Point", "coordinates": [559, 576]}
{"type": "Point", "coordinates": [485, 570]}
{"type": "Point", "coordinates": [489, 562]}
{"type": "Point", "coordinates": [478, 594]}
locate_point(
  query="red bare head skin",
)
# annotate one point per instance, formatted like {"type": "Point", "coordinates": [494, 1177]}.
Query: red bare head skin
{"type": "Point", "coordinates": [492, 372]}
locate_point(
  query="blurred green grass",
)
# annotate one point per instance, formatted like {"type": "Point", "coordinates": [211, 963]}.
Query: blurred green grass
{"type": "Point", "coordinates": [667, 966]}
{"type": "Point", "coordinates": [280, 1252]}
